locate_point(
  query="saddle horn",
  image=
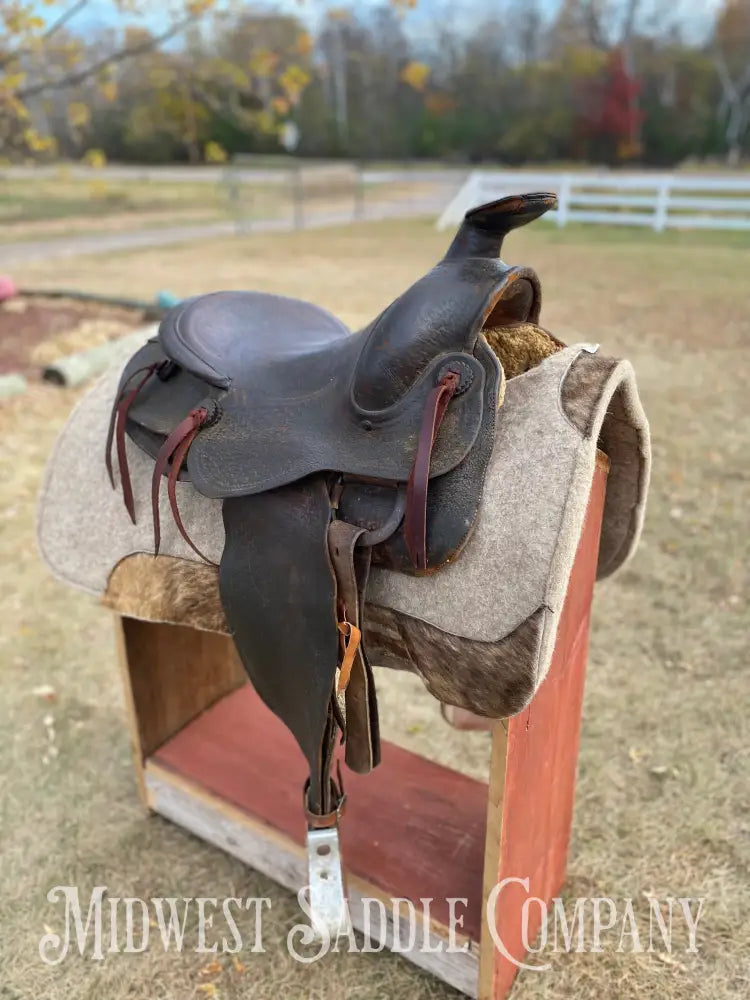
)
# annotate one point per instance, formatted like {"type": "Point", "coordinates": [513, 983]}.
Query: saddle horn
{"type": "Point", "coordinates": [484, 228]}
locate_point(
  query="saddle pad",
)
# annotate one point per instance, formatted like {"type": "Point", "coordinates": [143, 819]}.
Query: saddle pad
{"type": "Point", "coordinates": [500, 601]}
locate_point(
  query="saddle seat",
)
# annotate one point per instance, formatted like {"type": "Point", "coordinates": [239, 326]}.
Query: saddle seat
{"type": "Point", "coordinates": [237, 338]}
{"type": "Point", "coordinates": [280, 373]}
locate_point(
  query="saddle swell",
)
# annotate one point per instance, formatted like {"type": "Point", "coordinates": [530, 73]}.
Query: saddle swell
{"type": "Point", "coordinates": [330, 451]}
{"type": "Point", "coordinates": [445, 311]}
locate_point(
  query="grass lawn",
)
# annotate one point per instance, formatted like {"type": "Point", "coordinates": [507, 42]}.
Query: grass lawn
{"type": "Point", "coordinates": [51, 206]}
{"type": "Point", "coordinates": [56, 197]}
{"type": "Point", "coordinates": [663, 798]}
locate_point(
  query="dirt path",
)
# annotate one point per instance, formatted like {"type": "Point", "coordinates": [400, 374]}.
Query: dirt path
{"type": "Point", "coordinates": [76, 245]}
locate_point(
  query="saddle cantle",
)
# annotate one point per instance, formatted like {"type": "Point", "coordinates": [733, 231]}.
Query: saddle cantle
{"type": "Point", "coordinates": [331, 451]}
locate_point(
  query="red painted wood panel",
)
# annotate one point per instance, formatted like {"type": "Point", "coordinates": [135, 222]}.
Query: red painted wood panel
{"type": "Point", "coordinates": [542, 761]}
{"type": "Point", "coordinates": [411, 828]}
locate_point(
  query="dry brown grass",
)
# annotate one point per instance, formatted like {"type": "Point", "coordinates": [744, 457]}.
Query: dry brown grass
{"type": "Point", "coordinates": [45, 207]}
{"type": "Point", "coordinates": [663, 799]}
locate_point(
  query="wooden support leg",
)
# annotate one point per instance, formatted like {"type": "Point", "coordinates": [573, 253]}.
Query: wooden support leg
{"type": "Point", "coordinates": [532, 777]}
{"type": "Point", "coordinates": [170, 674]}
{"type": "Point", "coordinates": [211, 757]}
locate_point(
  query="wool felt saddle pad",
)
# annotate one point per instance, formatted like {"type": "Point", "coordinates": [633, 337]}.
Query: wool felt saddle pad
{"type": "Point", "coordinates": [481, 632]}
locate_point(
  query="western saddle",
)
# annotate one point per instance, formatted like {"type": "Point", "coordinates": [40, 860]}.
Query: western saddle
{"type": "Point", "coordinates": [331, 452]}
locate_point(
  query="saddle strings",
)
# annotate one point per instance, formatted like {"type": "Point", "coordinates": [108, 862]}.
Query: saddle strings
{"type": "Point", "coordinates": [173, 451]}
{"type": "Point", "coordinates": [415, 517]}
{"type": "Point", "coordinates": [177, 444]}
{"type": "Point", "coordinates": [117, 424]}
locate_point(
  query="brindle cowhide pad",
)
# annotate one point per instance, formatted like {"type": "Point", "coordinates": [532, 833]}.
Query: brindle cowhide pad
{"type": "Point", "coordinates": [494, 679]}
{"type": "Point", "coordinates": [167, 589]}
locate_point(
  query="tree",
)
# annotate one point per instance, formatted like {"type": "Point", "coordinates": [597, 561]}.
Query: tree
{"type": "Point", "coordinates": [40, 58]}
{"type": "Point", "coordinates": [527, 81]}
{"type": "Point", "coordinates": [731, 47]}
{"type": "Point", "coordinates": [618, 118]}
{"type": "Point", "coordinates": [50, 76]}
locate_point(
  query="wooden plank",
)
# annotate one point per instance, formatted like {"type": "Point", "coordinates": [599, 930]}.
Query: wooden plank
{"type": "Point", "coordinates": [411, 828]}
{"type": "Point", "coordinates": [131, 709]}
{"type": "Point", "coordinates": [540, 771]}
{"type": "Point", "coordinates": [611, 218]}
{"type": "Point", "coordinates": [708, 222]}
{"type": "Point", "coordinates": [495, 797]}
{"type": "Point", "coordinates": [463, 719]}
{"type": "Point", "coordinates": [613, 200]}
{"type": "Point", "coordinates": [173, 674]}
{"type": "Point", "coordinates": [284, 860]}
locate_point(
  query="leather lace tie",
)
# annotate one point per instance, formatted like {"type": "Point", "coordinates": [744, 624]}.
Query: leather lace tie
{"type": "Point", "coordinates": [173, 453]}
{"type": "Point", "coordinates": [415, 518]}
{"type": "Point", "coordinates": [117, 424]}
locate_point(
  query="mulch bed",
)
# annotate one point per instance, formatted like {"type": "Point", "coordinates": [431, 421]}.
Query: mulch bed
{"type": "Point", "coordinates": [26, 322]}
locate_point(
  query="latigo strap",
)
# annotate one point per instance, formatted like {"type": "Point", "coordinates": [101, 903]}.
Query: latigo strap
{"type": "Point", "coordinates": [415, 519]}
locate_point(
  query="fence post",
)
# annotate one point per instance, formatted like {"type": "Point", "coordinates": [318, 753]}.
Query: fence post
{"type": "Point", "coordinates": [298, 198]}
{"type": "Point", "coordinates": [563, 201]}
{"type": "Point", "coordinates": [359, 190]}
{"type": "Point", "coordinates": [230, 182]}
{"type": "Point", "coordinates": [477, 191]}
{"type": "Point", "coordinates": [661, 208]}
{"type": "Point", "coordinates": [466, 197]}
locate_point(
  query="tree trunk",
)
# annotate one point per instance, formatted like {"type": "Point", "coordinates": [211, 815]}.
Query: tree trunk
{"type": "Point", "coordinates": [191, 126]}
{"type": "Point", "coordinates": [735, 127]}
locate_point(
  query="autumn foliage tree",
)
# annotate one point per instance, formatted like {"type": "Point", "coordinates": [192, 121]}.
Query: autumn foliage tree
{"type": "Point", "coordinates": [516, 81]}
{"type": "Point", "coordinates": [617, 119]}
{"type": "Point", "coordinates": [53, 85]}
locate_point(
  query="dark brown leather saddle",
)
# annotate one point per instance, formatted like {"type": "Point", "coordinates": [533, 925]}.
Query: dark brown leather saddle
{"type": "Point", "coordinates": [331, 451]}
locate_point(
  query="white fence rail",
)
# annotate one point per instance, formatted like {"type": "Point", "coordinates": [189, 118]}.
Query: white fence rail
{"type": "Point", "coordinates": [657, 201]}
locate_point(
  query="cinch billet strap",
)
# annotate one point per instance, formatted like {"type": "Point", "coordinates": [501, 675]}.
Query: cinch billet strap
{"type": "Point", "coordinates": [351, 568]}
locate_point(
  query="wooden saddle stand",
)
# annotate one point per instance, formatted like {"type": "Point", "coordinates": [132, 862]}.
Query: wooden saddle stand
{"type": "Point", "coordinates": [212, 758]}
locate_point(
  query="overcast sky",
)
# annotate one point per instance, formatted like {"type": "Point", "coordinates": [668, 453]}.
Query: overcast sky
{"type": "Point", "coordinates": [694, 15]}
